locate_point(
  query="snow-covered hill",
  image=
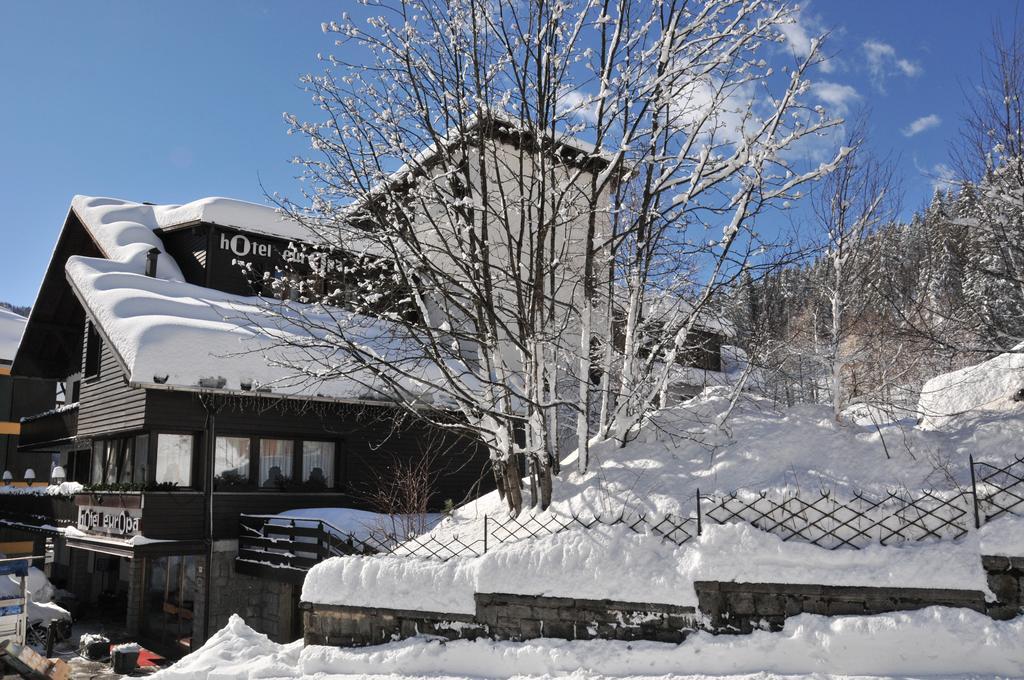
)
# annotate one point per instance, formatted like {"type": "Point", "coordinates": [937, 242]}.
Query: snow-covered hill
{"type": "Point", "coordinates": [757, 446]}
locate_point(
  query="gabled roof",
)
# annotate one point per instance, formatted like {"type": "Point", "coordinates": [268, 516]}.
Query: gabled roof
{"type": "Point", "coordinates": [11, 327]}
{"type": "Point", "coordinates": [169, 334]}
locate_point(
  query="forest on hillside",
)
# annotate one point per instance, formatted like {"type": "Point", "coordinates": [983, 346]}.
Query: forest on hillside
{"type": "Point", "coordinates": [876, 305]}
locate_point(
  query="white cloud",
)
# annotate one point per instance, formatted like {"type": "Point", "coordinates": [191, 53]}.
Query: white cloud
{"type": "Point", "coordinates": [921, 124]}
{"type": "Point", "coordinates": [909, 68]}
{"type": "Point", "coordinates": [578, 104]}
{"type": "Point", "coordinates": [836, 97]}
{"type": "Point", "coordinates": [800, 33]}
{"type": "Point", "coordinates": [883, 62]}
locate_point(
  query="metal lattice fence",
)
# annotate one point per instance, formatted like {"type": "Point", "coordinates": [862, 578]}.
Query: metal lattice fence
{"type": "Point", "coordinates": [827, 521]}
{"type": "Point", "coordinates": [821, 518]}
{"type": "Point", "coordinates": [999, 489]}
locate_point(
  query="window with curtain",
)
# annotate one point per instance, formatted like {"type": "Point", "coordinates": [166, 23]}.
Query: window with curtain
{"type": "Point", "coordinates": [126, 460]}
{"type": "Point", "coordinates": [174, 459]}
{"type": "Point", "coordinates": [99, 462]}
{"type": "Point", "coordinates": [141, 454]}
{"type": "Point", "coordinates": [231, 461]}
{"type": "Point", "coordinates": [318, 463]}
{"type": "Point", "coordinates": [275, 462]}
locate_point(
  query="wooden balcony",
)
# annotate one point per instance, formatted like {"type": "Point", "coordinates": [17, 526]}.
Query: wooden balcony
{"type": "Point", "coordinates": [37, 512]}
{"type": "Point", "coordinates": [52, 428]}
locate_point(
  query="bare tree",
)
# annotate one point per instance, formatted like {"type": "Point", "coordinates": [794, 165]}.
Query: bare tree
{"type": "Point", "coordinates": [523, 276]}
{"type": "Point", "coordinates": [853, 201]}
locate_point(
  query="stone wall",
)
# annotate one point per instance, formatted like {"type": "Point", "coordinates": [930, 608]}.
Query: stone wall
{"type": "Point", "coordinates": [341, 626]}
{"type": "Point", "coordinates": [501, 616]}
{"type": "Point", "coordinates": [268, 606]}
{"type": "Point", "coordinates": [724, 607]}
{"type": "Point", "coordinates": [1006, 580]}
{"type": "Point", "coordinates": [522, 617]}
{"type": "Point", "coordinates": [743, 607]}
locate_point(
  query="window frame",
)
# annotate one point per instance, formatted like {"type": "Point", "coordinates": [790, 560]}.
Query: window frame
{"type": "Point", "coordinates": [154, 446]}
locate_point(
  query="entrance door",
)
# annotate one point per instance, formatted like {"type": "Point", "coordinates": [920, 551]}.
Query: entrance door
{"type": "Point", "coordinates": [170, 602]}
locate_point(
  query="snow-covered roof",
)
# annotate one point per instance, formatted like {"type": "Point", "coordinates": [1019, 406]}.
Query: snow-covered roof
{"type": "Point", "coordinates": [11, 327]}
{"type": "Point", "coordinates": [172, 334]}
{"type": "Point", "coordinates": [124, 229]}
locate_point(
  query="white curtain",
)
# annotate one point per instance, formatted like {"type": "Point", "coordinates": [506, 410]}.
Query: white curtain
{"type": "Point", "coordinates": [275, 461]}
{"type": "Point", "coordinates": [318, 462]}
{"type": "Point", "coordinates": [232, 457]}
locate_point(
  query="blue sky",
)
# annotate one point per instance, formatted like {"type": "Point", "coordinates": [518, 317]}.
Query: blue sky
{"type": "Point", "coordinates": [171, 101]}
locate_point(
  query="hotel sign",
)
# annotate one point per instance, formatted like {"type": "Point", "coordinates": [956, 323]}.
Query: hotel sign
{"type": "Point", "coordinates": [111, 521]}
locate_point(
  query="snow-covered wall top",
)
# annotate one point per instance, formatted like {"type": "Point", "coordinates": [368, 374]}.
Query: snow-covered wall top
{"type": "Point", "coordinates": [11, 327]}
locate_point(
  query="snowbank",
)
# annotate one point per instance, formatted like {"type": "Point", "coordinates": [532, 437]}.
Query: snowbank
{"type": "Point", "coordinates": [1003, 536]}
{"type": "Point", "coordinates": [11, 327]}
{"type": "Point", "coordinates": [613, 562]}
{"type": "Point", "coordinates": [933, 641]}
{"type": "Point", "coordinates": [236, 651]}
{"type": "Point", "coordinates": [987, 387]}
{"type": "Point", "coordinates": [41, 608]}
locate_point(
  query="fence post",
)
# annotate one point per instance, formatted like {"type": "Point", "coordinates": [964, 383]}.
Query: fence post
{"type": "Point", "coordinates": [974, 494]}
{"type": "Point", "coordinates": [698, 513]}
{"type": "Point", "coordinates": [485, 534]}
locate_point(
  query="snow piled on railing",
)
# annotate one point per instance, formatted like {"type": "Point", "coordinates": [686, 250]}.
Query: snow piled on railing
{"type": "Point", "coordinates": [62, 489]}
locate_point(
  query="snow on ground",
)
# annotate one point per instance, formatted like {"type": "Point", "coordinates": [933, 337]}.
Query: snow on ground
{"type": "Point", "coordinates": [758, 447]}
{"type": "Point", "coordinates": [41, 608]}
{"type": "Point", "coordinates": [1003, 536]}
{"type": "Point", "coordinates": [11, 327]}
{"type": "Point", "coordinates": [360, 524]}
{"type": "Point", "coordinates": [613, 562]}
{"type": "Point", "coordinates": [934, 641]}
{"type": "Point", "coordinates": [988, 387]}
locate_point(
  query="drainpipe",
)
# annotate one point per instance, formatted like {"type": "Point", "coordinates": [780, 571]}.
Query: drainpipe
{"type": "Point", "coordinates": [211, 450]}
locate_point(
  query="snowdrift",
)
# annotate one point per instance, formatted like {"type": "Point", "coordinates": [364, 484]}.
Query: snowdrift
{"type": "Point", "coordinates": [933, 641]}
{"type": "Point", "coordinates": [949, 399]}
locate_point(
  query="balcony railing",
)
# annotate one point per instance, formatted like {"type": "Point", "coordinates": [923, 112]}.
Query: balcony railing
{"type": "Point", "coordinates": [50, 428]}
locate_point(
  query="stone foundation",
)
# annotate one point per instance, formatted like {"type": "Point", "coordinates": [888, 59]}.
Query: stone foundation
{"type": "Point", "coordinates": [744, 607]}
{"type": "Point", "coordinates": [501, 616]}
{"type": "Point", "coordinates": [1006, 580]}
{"type": "Point", "coordinates": [724, 607]}
{"type": "Point", "coordinates": [522, 617]}
{"type": "Point", "coordinates": [267, 606]}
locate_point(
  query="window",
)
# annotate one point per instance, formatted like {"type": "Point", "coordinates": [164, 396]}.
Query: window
{"type": "Point", "coordinates": [174, 459]}
{"type": "Point", "coordinates": [231, 461]}
{"type": "Point", "coordinates": [141, 459]}
{"type": "Point", "coordinates": [98, 462]}
{"type": "Point", "coordinates": [318, 464]}
{"type": "Point", "coordinates": [275, 462]}
{"type": "Point", "coordinates": [120, 461]}
{"type": "Point", "coordinates": [93, 350]}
